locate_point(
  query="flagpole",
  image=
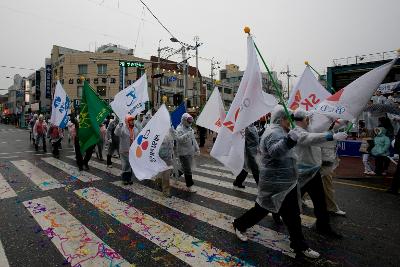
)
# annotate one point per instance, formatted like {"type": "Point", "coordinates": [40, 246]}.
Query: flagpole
{"type": "Point", "coordinates": [278, 92]}
{"type": "Point", "coordinates": [331, 89]}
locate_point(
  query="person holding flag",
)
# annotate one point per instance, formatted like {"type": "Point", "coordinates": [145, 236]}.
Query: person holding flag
{"type": "Point", "coordinates": [278, 185]}
{"type": "Point", "coordinates": [127, 134]}
{"type": "Point", "coordinates": [186, 148]}
{"type": "Point", "coordinates": [93, 111]}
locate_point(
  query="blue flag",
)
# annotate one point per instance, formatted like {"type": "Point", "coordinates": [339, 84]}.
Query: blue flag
{"type": "Point", "coordinates": [176, 115]}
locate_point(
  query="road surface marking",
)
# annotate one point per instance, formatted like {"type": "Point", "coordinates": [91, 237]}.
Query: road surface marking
{"type": "Point", "coordinates": [3, 257]}
{"type": "Point", "coordinates": [189, 249]}
{"type": "Point", "coordinates": [9, 157]}
{"type": "Point", "coordinates": [362, 186]}
{"type": "Point", "coordinates": [43, 180]}
{"type": "Point", "coordinates": [218, 167]}
{"type": "Point", "coordinates": [6, 190]}
{"type": "Point", "coordinates": [102, 167]}
{"type": "Point", "coordinates": [266, 237]}
{"type": "Point", "coordinates": [78, 245]}
{"type": "Point", "coordinates": [71, 170]}
{"type": "Point", "coordinates": [249, 177]}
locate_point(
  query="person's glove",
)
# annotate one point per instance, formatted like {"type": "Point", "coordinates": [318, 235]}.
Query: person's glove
{"type": "Point", "coordinates": [293, 135]}
{"type": "Point", "coordinates": [340, 136]}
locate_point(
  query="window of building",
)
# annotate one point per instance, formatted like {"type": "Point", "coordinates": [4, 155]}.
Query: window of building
{"type": "Point", "coordinates": [113, 80]}
{"type": "Point", "coordinates": [179, 83]}
{"type": "Point", "coordinates": [96, 80]}
{"type": "Point", "coordinates": [165, 81]}
{"type": "Point", "coordinates": [61, 72]}
{"type": "Point", "coordinates": [101, 90]}
{"type": "Point", "coordinates": [139, 73]}
{"type": "Point", "coordinates": [101, 68]}
{"type": "Point", "coordinates": [79, 91]}
{"type": "Point", "coordinates": [209, 87]}
{"type": "Point", "coordinates": [103, 80]}
{"type": "Point", "coordinates": [227, 91]}
{"type": "Point", "coordinates": [82, 69]}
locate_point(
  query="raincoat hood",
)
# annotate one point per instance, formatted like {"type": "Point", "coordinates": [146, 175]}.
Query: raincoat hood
{"type": "Point", "coordinates": [128, 117]}
{"type": "Point", "coordinates": [186, 117]}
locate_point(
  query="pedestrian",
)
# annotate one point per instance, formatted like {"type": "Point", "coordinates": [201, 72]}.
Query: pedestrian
{"type": "Point", "coordinates": [100, 144]}
{"type": "Point", "coordinates": [31, 125]}
{"type": "Point", "coordinates": [55, 135]}
{"type": "Point", "coordinates": [394, 187]}
{"type": "Point", "coordinates": [166, 153]}
{"type": "Point", "coordinates": [308, 151]}
{"type": "Point", "coordinates": [380, 150]}
{"type": "Point", "coordinates": [186, 148]}
{"type": "Point", "coordinates": [81, 160]}
{"type": "Point", "coordinates": [127, 134]}
{"type": "Point", "coordinates": [202, 135]}
{"type": "Point", "coordinates": [366, 146]}
{"type": "Point", "coordinates": [278, 185]}
{"type": "Point", "coordinates": [252, 141]}
{"type": "Point", "coordinates": [112, 140]}
{"type": "Point", "coordinates": [39, 132]}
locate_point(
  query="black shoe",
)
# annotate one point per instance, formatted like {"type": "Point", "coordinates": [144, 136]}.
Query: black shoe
{"type": "Point", "coordinates": [86, 167]}
{"type": "Point", "coordinates": [126, 182]}
{"type": "Point", "coordinates": [239, 185]}
{"type": "Point", "coordinates": [80, 168]}
{"type": "Point", "coordinates": [130, 182]}
{"type": "Point", "coordinates": [329, 232]}
{"type": "Point", "coordinates": [277, 218]}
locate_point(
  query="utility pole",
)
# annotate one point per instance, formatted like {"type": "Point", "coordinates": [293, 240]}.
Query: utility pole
{"type": "Point", "coordinates": [159, 80]}
{"type": "Point", "coordinates": [214, 66]}
{"type": "Point", "coordinates": [185, 73]}
{"type": "Point", "coordinates": [288, 75]}
{"type": "Point", "coordinates": [198, 85]}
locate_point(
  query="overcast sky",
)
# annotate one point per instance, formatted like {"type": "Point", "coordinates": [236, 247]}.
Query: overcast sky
{"type": "Point", "coordinates": [288, 32]}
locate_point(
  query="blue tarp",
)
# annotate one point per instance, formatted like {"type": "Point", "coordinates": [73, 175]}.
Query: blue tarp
{"type": "Point", "coordinates": [176, 115]}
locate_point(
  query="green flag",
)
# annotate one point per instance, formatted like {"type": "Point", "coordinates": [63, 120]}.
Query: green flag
{"type": "Point", "coordinates": [93, 111]}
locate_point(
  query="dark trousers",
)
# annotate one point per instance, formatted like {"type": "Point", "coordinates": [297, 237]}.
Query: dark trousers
{"type": "Point", "coordinates": [186, 163]}
{"type": "Point", "coordinates": [243, 174]}
{"type": "Point", "coordinates": [290, 213]}
{"type": "Point", "coordinates": [56, 146]}
{"type": "Point", "coordinates": [315, 189]}
{"type": "Point", "coordinates": [111, 149]}
{"type": "Point", "coordinates": [381, 164]}
{"type": "Point", "coordinates": [37, 140]}
{"type": "Point", "coordinates": [80, 160]}
{"type": "Point", "coordinates": [396, 179]}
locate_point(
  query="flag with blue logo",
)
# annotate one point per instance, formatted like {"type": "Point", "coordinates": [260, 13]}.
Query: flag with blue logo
{"type": "Point", "coordinates": [60, 107]}
{"type": "Point", "coordinates": [132, 99]}
{"type": "Point", "coordinates": [176, 115]}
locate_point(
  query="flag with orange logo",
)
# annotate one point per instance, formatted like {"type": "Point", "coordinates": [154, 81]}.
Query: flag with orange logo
{"type": "Point", "coordinates": [143, 153]}
{"type": "Point", "coordinates": [213, 114]}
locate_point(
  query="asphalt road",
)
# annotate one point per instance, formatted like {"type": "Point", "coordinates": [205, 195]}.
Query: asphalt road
{"type": "Point", "coordinates": [51, 215]}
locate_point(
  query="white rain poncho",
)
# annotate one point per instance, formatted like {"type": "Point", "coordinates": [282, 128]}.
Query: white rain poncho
{"type": "Point", "coordinates": [278, 168]}
{"type": "Point", "coordinates": [186, 144]}
{"type": "Point", "coordinates": [252, 141]}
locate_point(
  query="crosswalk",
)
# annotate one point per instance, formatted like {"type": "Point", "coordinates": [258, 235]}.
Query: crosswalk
{"type": "Point", "coordinates": [80, 246]}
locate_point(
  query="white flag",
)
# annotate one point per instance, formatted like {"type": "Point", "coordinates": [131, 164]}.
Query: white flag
{"type": "Point", "coordinates": [132, 99]}
{"type": "Point", "coordinates": [350, 101]}
{"type": "Point", "coordinates": [213, 114]}
{"type": "Point", "coordinates": [143, 153]}
{"type": "Point", "coordinates": [250, 102]}
{"type": "Point", "coordinates": [60, 107]}
{"type": "Point", "coordinates": [307, 92]}
{"type": "Point", "coordinates": [248, 106]}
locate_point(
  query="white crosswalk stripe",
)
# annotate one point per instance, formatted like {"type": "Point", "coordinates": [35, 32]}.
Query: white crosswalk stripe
{"type": "Point", "coordinates": [217, 167]}
{"type": "Point", "coordinates": [43, 180]}
{"type": "Point", "coordinates": [189, 249]}
{"type": "Point", "coordinates": [78, 245]}
{"type": "Point", "coordinates": [3, 257]}
{"type": "Point", "coordinates": [71, 170]}
{"type": "Point", "coordinates": [5, 189]}
{"type": "Point", "coordinates": [306, 221]}
{"type": "Point", "coordinates": [213, 181]}
{"type": "Point", "coordinates": [257, 233]}
{"type": "Point", "coordinates": [224, 174]}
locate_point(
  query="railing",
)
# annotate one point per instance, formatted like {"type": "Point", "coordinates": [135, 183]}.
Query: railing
{"type": "Point", "coordinates": [365, 58]}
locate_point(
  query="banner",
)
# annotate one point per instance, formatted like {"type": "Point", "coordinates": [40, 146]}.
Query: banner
{"type": "Point", "coordinates": [307, 92]}
{"type": "Point", "coordinates": [143, 153]}
{"type": "Point", "coordinates": [176, 115]}
{"type": "Point", "coordinates": [213, 113]}
{"type": "Point", "coordinates": [49, 71]}
{"type": "Point", "coordinates": [60, 107]}
{"type": "Point", "coordinates": [132, 99]}
{"type": "Point", "coordinates": [388, 88]}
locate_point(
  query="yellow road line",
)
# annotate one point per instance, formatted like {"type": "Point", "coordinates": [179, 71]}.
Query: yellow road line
{"type": "Point", "coordinates": [362, 186]}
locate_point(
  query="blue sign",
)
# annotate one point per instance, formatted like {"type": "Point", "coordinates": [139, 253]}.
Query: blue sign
{"type": "Point", "coordinates": [121, 77]}
{"type": "Point", "coordinates": [48, 80]}
{"type": "Point", "coordinates": [172, 79]}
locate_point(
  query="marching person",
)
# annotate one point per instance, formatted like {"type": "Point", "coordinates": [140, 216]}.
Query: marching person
{"type": "Point", "coordinates": [308, 151]}
{"type": "Point", "coordinates": [166, 153]}
{"type": "Point", "coordinates": [39, 132]}
{"type": "Point", "coordinates": [186, 148]}
{"type": "Point", "coordinates": [56, 136]}
{"type": "Point", "coordinates": [278, 185]}
{"type": "Point", "coordinates": [81, 161]}
{"type": "Point", "coordinates": [31, 125]}
{"type": "Point", "coordinates": [252, 141]}
{"type": "Point", "coordinates": [100, 144]}
{"type": "Point", "coordinates": [127, 134]}
{"type": "Point", "coordinates": [112, 139]}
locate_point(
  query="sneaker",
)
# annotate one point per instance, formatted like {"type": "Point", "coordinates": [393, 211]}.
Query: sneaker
{"type": "Point", "coordinates": [109, 166]}
{"type": "Point", "coordinates": [241, 235]}
{"type": "Point", "coordinates": [340, 213]}
{"type": "Point", "coordinates": [371, 173]}
{"type": "Point", "coordinates": [239, 186]}
{"type": "Point", "coordinates": [277, 218]}
{"type": "Point", "coordinates": [190, 189]}
{"type": "Point", "coordinates": [309, 253]}
{"type": "Point", "coordinates": [126, 182]}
